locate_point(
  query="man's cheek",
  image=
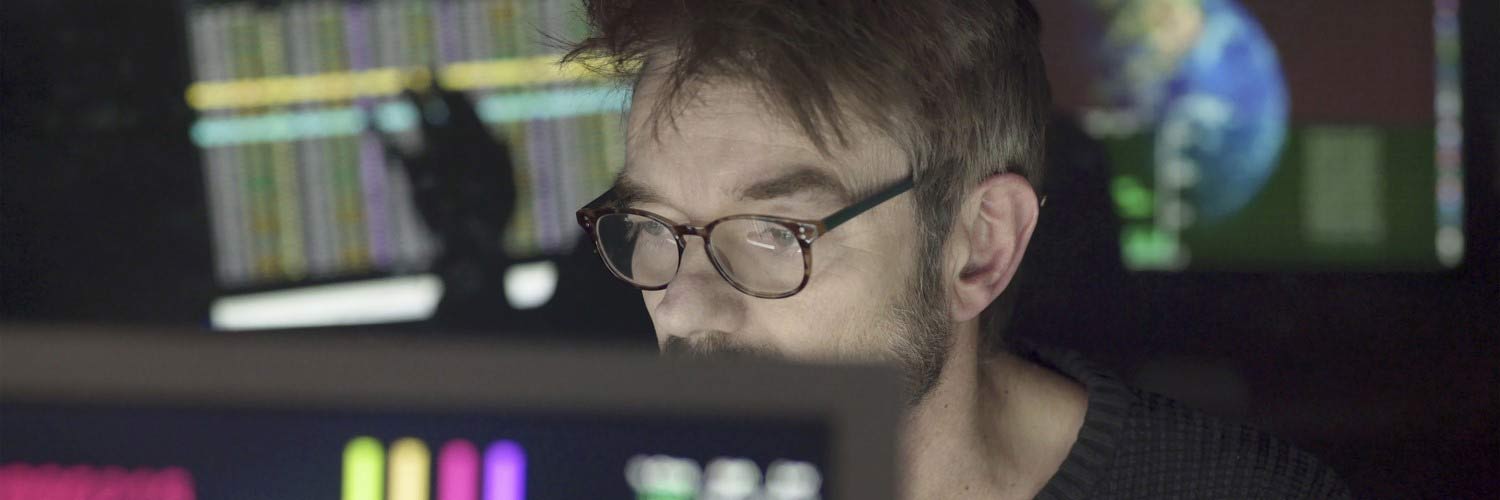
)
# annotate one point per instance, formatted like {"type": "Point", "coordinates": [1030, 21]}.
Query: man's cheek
{"type": "Point", "coordinates": [815, 329]}
{"type": "Point", "coordinates": [651, 301]}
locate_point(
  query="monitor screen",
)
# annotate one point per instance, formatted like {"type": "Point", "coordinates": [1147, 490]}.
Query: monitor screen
{"type": "Point", "coordinates": [1256, 135]}
{"type": "Point", "coordinates": [182, 416]}
{"type": "Point", "coordinates": [292, 98]}
{"type": "Point", "coordinates": [77, 452]}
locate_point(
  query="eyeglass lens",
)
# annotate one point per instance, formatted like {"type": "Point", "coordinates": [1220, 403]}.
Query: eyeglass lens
{"type": "Point", "coordinates": [638, 249]}
{"type": "Point", "coordinates": [759, 256]}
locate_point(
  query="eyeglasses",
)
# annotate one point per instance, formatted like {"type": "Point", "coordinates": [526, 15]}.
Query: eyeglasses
{"type": "Point", "coordinates": [760, 255]}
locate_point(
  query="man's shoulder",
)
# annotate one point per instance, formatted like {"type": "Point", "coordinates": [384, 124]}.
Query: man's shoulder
{"type": "Point", "coordinates": [1136, 444]}
{"type": "Point", "coordinates": [1166, 449]}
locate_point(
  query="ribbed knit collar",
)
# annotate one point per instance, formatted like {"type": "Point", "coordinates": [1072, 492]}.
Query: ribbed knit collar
{"type": "Point", "coordinates": [1109, 405]}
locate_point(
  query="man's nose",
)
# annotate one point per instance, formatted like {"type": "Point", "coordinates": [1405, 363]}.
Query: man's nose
{"type": "Point", "coordinates": [698, 299]}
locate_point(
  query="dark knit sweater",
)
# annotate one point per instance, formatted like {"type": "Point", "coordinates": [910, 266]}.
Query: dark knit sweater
{"type": "Point", "coordinates": [1135, 444]}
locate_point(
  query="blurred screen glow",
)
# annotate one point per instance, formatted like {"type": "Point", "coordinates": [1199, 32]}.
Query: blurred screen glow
{"type": "Point", "coordinates": [410, 463]}
{"type": "Point", "coordinates": [385, 300]}
{"type": "Point", "coordinates": [21, 481]}
{"type": "Point", "coordinates": [504, 471]}
{"type": "Point", "coordinates": [364, 457]}
{"type": "Point", "coordinates": [458, 471]}
{"type": "Point", "coordinates": [530, 285]}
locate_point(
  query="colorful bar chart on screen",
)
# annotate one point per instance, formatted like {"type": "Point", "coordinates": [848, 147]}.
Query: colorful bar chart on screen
{"type": "Point", "coordinates": [407, 472]}
{"type": "Point", "coordinates": [287, 94]}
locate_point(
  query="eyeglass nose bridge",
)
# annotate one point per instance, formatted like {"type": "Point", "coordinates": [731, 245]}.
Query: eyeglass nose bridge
{"type": "Point", "coordinates": [681, 232]}
{"type": "Point", "coordinates": [686, 230]}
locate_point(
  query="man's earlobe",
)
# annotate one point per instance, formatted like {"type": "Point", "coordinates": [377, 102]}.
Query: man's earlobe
{"type": "Point", "coordinates": [995, 225]}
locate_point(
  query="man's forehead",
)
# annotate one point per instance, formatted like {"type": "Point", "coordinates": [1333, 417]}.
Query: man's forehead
{"type": "Point", "coordinates": [709, 108]}
{"type": "Point", "coordinates": [677, 185]}
{"type": "Point", "coordinates": [726, 138]}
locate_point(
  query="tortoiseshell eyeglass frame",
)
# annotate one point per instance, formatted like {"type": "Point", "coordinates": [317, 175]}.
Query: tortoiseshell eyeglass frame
{"type": "Point", "coordinates": [806, 231]}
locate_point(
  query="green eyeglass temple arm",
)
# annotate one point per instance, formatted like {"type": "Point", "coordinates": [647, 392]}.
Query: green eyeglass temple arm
{"type": "Point", "coordinates": [866, 204]}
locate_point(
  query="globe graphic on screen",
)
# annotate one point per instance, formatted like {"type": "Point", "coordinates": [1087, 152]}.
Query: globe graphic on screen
{"type": "Point", "coordinates": [1204, 75]}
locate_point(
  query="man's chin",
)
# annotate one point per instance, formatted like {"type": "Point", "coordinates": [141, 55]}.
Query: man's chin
{"type": "Point", "coordinates": [920, 358]}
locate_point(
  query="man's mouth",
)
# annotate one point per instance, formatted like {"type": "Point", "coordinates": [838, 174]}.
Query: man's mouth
{"type": "Point", "coordinates": [715, 345]}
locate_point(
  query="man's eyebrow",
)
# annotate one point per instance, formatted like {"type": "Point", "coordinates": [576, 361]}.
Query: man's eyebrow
{"type": "Point", "coordinates": [627, 192]}
{"type": "Point", "coordinates": [800, 179]}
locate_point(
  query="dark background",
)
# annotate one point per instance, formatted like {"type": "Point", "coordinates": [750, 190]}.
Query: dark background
{"type": "Point", "coordinates": [1393, 378]}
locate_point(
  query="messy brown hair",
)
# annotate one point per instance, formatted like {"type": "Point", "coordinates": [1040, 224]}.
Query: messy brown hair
{"type": "Point", "coordinates": [959, 84]}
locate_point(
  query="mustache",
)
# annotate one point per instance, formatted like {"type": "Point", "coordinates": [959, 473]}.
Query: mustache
{"type": "Point", "coordinates": [715, 345]}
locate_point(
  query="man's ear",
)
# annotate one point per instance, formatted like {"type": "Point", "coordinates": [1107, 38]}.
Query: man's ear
{"type": "Point", "coordinates": [988, 240]}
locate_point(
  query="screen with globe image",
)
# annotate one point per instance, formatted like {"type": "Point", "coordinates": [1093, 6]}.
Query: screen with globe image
{"type": "Point", "coordinates": [1245, 136]}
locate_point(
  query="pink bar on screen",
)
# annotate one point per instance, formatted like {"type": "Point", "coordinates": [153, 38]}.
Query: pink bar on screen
{"type": "Point", "coordinates": [458, 471]}
{"type": "Point", "coordinates": [21, 481]}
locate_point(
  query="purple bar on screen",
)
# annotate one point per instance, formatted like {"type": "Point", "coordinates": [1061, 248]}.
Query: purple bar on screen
{"type": "Point", "coordinates": [504, 471]}
{"type": "Point", "coordinates": [540, 148]}
{"type": "Point", "coordinates": [449, 43]}
{"type": "Point", "coordinates": [372, 168]}
{"type": "Point", "coordinates": [458, 471]}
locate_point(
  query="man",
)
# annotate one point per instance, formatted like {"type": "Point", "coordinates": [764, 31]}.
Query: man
{"type": "Point", "coordinates": [886, 153]}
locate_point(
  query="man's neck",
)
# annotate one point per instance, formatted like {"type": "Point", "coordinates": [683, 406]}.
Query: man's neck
{"type": "Point", "coordinates": [993, 427]}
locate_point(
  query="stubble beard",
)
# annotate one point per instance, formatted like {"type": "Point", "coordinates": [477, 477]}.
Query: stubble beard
{"type": "Point", "coordinates": [916, 329]}
{"type": "Point", "coordinates": [920, 331]}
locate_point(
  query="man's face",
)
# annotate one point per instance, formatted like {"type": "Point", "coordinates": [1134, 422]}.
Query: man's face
{"type": "Point", "coordinates": [729, 154]}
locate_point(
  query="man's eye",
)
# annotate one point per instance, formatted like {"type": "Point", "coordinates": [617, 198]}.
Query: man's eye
{"type": "Point", "coordinates": [784, 238]}
{"type": "Point", "coordinates": [654, 228]}
{"type": "Point", "coordinates": [776, 239]}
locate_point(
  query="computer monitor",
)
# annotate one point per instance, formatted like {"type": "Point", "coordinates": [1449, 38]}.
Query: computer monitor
{"type": "Point", "coordinates": [254, 416]}
{"type": "Point", "coordinates": [1254, 135]}
{"type": "Point", "coordinates": [291, 95]}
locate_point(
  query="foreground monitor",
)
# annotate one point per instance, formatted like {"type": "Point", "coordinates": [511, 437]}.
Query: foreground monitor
{"type": "Point", "coordinates": [188, 417]}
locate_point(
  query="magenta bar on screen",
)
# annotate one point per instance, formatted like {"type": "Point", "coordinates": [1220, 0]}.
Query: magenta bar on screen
{"type": "Point", "coordinates": [458, 471]}
{"type": "Point", "coordinates": [504, 471]}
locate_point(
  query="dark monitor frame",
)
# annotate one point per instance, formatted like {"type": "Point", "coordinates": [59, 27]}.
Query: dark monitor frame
{"type": "Point", "coordinates": [98, 366]}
